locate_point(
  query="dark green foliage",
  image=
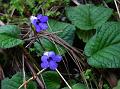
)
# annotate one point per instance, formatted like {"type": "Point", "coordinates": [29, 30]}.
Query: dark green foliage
{"type": "Point", "coordinates": [88, 16]}
{"type": "Point", "coordinates": [52, 80]}
{"type": "Point", "coordinates": [9, 36]}
{"type": "Point", "coordinates": [103, 48]}
{"type": "Point", "coordinates": [85, 35]}
{"type": "Point", "coordinates": [15, 82]}
{"type": "Point", "coordinates": [87, 21]}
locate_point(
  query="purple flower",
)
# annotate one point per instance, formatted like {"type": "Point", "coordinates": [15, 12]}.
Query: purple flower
{"type": "Point", "coordinates": [50, 59]}
{"type": "Point", "coordinates": [40, 22]}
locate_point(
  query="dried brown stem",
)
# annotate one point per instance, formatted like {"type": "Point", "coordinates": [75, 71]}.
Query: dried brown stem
{"type": "Point", "coordinates": [34, 74]}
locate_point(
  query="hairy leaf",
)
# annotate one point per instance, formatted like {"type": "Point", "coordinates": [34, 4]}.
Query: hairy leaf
{"type": "Point", "coordinates": [9, 36]}
{"type": "Point", "coordinates": [11, 30]}
{"type": "Point", "coordinates": [103, 49]}
{"type": "Point", "coordinates": [88, 16]}
{"type": "Point", "coordinates": [8, 42]}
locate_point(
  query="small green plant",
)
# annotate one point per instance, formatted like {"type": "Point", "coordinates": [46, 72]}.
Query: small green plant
{"type": "Point", "coordinates": [40, 50]}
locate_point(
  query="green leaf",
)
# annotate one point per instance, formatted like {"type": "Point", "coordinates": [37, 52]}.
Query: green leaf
{"type": "Point", "coordinates": [9, 36]}
{"type": "Point", "coordinates": [85, 35]}
{"type": "Point", "coordinates": [11, 30]}
{"type": "Point", "coordinates": [8, 42]}
{"type": "Point", "coordinates": [15, 82]}
{"type": "Point", "coordinates": [88, 16]}
{"type": "Point", "coordinates": [52, 80]}
{"type": "Point", "coordinates": [77, 86]}
{"type": "Point", "coordinates": [63, 30]}
{"type": "Point", "coordinates": [103, 49]}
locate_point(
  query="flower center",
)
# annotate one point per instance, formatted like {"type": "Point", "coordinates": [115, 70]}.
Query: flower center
{"type": "Point", "coordinates": [38, 21]}
{"type": "Point", "coordinates": [49, 59]}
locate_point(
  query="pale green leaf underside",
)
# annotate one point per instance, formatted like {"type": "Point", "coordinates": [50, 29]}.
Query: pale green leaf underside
{"type": "Point", "coordinates": [103, 49]}
{"type": "Point", "coordinates": [88, 16]}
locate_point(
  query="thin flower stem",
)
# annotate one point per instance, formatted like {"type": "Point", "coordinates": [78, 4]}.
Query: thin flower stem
{"type": "Point", "coordinates": [64, 79]}
{"type": "Point", "coordinates": [24, 79]}
{"type": "Point", "coordinates": [31, 79]}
